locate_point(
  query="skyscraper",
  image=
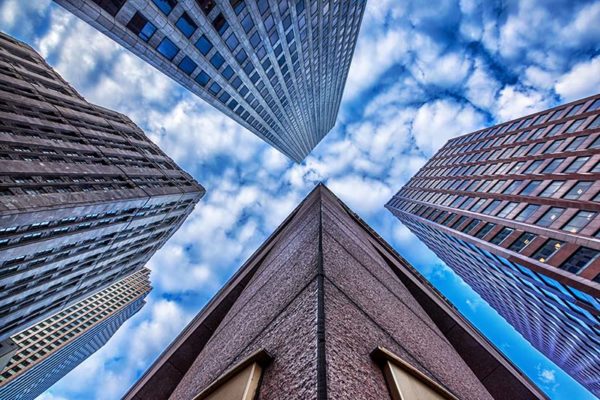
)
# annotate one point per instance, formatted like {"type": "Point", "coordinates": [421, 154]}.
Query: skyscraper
{"type": "Point", "coordinates": [513, 209]}
{"type": "Point", "coordinates": [53, 347]}
{"type": "Point", "coordinates": [85, 197]}
{"type": "Point", "coordinates": [326, 309]}
{"type": "Point", "coordinates": [278, 68]}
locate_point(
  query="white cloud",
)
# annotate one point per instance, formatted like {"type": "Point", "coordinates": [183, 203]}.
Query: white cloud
{"type": "Point", "coordinates": [514, 102]}
{"type": "Point", "coordinates": [581, 81]}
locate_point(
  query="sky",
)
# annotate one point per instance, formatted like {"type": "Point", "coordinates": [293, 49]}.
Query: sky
{"type": "Point", "coordinates": [422, 73]}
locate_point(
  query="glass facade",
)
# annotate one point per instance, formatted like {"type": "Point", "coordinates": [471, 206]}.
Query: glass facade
{"type": "Point", "coordinates": [276, 67]}
{"type": "Point", "coordinates": [529, 243]}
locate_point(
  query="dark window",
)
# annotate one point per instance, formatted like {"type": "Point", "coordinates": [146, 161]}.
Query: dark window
{"type": "Point", "coordinates": [167, 49]}
{"type": "Point", "coordinates": [554, 164]}
{"type": "Point", "coordinates": [459, 222]}
{"type": "Point", "coordinates": [522, 241]}
{"type": "Point", "coordinates": [547, 250]}
{"type": "Point", "coordinates": [530, 188]}
{"type": "Point", "coordinates": [552, 188]}
{"type": "Point", "coordinates": [576, 165]}
{"type": "Point", "coordinates": [166, 6]}
{"type": "Point", "coordinates": [186, 25]}
{"type": "Point", "coordinates": [550, 216]}
{"type": "Point", "coordinates": [110, 6]}
{"type": "Point", "coordinates": [237, 5]}
{"type": "Point", "coordinates": [578, 190]}
{"type": "Point", "coordinates": [579, 221]}
{"type": "Point", "coordinates": [187, 65]}
{"type": "Point", "coordinates": [140, 26]}
{"type": "Point", "coordinates": [220, 24]}
{"type": "Point", "coordinates": [485, 230]}
{"type": "Point", "coordinates": [202, 78]}
{"type": "Point", "coordinates": [500, 236]}
{"type": "Point", "coordinates": [206, 5]}
{"type": "Point", "coordinates": [583, 257]}
{"type": "Point", "coordinates": [204, 45]}
{"type": "Point", "coordinates": [217, 60]}
{"type": "Point", "coordinates": [227, 72]}
{"type": "Point", "coordinates": [470, 226]}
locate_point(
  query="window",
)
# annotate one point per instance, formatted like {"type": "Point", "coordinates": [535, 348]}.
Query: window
{"type": "Point", "coordinates": [574, 127]}
{"type": "Point", "coordinates": [530, 188]}
{"type": "Point", "coordinates": [522, 242]}
{"type": "Point", "coordinates": [578, 190]}
{"type": "Point", "coordinates": [217, 60]}
{"type": "Point", "coordinates": [186, 25]}
{"type": "Point", "coordinates": [535, 149]}
{"type": "Point", "coordinates": [166, 6]}
{"type": "Point", "coordinates": [167, 49]}
{"type": "Point", "coordinates": [595, 123]}
{"type": "Point", "coordinates": [202, 78]}
{"type": "Point", "coordinates": [553, 148]}
{"type": "Point", "coordinates": [227, 72]}
{"type": "Point", "coordinates": [140, 26]}
{"type": "Point", "coordinates": [110, 6]}
{"type": "Point", "coordinates": [204, 45]}
{"type": "Point", "coordinates": [215, 88]}
{"type": "Point", "coordinates": [512, 187]}
{"type": "Point", "coordinates": [502, 235]}
{"type": "Point", "coordinates": [459, 222]}
{"type": "Point", "coordinates": [220, 24]}
{"type": "Point", "coordinates": [548, 250]}
{"type": "Point", "coordinates": [497, 186]}
{"type": "Point", "coordinates": [552, 188]}
{"type": "Point", "coordinates": [576, 165]}
{"type": "Point", "coordinates": [206, 5]}
{"type": "Point", "coordinates": [579, 221]}
{"type": "Point", "coordinates": [583, 257]}
{"type": "Point", "coordinates": [491, 207]}
{"type": "Point", "coordinates": [471, 225]}
{"type": "Point", "coordinates": [533, 166]}
{"type": "Point", "coordinates": [576, 143]}
{"type": "Point", "coordinates": [232, 42]}
{"type": "Point", "coordinates": [554, 164]}
{"type": "Point", "coordinates": [507, 209]}
{"type": "Point", "coordinates": [485, 230]}
{"type": "Point", "coordinates": [187, 65]}
{"type": "Point", "coordinates": [550, 216]}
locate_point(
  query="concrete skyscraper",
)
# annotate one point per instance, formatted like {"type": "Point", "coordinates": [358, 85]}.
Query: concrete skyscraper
{"type": "Point", "coordinates": [85, 197]}
{"type": "Point", "coordinates": [326, 309]}
{"type": "Point", "coordinates": [53, 347]}
{"type": "Point", "coordinates": [278, 68]}
{"type": "Point", "coordinates": [513, 209]}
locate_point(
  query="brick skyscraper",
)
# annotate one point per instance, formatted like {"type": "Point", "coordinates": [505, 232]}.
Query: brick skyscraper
{"type": "Point", "coordinates": [513, 209]}
{"type": "Point", "coordinates": [278, 68]}
{"type": "Point", "coordinates": [53, 347]}
{"type": "Point", "coordinates": [326, 309]}
{"type": "Point", "coordinates": [85, 197]}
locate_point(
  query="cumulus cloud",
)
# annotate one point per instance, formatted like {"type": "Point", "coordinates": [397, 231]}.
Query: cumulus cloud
{"type": "Point", "coordinates": [581, 81]}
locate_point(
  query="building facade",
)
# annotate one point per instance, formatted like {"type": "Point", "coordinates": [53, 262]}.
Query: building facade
{"type": "Point", "coordinates": [326, 309]}
{"type": "Point", "coordinates": [514, 210]}
{"type": "Point", "coordinates": [85, 197]}
{"type": "Point", "coordinates": [53, 347]}
{"type": "Point", "coordinates": [278, 68]}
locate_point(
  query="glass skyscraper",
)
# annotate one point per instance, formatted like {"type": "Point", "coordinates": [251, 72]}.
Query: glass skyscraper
{"type": "Point", "coordinates": [85, 197]}
{"type": "Point", "coordinates": [278, 68]}
{"type": "Point", "coordinates": [53, 347]}
{"type": "Point", "coordinates": [513, 209]}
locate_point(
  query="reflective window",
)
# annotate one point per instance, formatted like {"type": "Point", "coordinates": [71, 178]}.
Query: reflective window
{"type": "Point", "coordinates": [554, 164]}
{"type": "Point", "coordinates": [533, 166]}
{"type": "Point", "coordinates": [512, 187]}
{"type": "Point", "coordinates": [553, 148]}
{"type": "Point", "coordinates": [485, 230]}
{"type": "Point", "coordinates": [227, 72]}
{"type": "Point", "coordinates": [232, 42]}
{"type": "Point", "coordinates": [547, 250]}
{"type": "Point", "coordinates": [187, 65]}
{"type": "Point", "coordinates": [576, 165]}
{"type": "Point", "coordinates": [166, 6]}
{"type": "Point", "coordinates": [578, 190]}
{"type": "Point", "coordinates": [215, 88]}
{"type": "Point", "coordinates": [141, 27]}
{"type": "Point", "coordinates": [471, 225]}
{"type": "Point", "coordinates": [522, 241]}
{"type": "Point", "coordinates": [579, 221]}
{"type": "Point", "coordinates": [550, 216]}
{"type": "Point", "coordinates": [574, 127]}
{"type": "Point", "coordinates": [507, 209]}
{"type": "Point", "coordinates": [167, 49]}
{"type": "Point", "coordinates": [204, 45]}
{"type": "Point", "coordinates": [535, 149]}
{"type": "Point", "coordinates": [552, 188]}
{"type": "Point", "coordinates": [530, 188]}
{"type": "Point", "coordinates": [186, 25]}
{"type": "Point", "coordinates": [583, 257]}
{"type": "Point", "coordinates": [502, 235]}
{"type": "Point", "coordinates": [202, 78]}
{"type": "Point", "coordinates": [491, 207]}
{"type": "Point", "coordinates": [576, 143]}
{"type": "Point", "coordinates": [217, 60]}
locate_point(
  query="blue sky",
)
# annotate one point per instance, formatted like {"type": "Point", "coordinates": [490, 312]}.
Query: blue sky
{"type": "Point", "coordinates": [422, 73]}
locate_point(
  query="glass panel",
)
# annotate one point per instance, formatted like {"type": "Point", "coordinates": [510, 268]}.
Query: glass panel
{"type": "Point", "coordinates": [548, 250]}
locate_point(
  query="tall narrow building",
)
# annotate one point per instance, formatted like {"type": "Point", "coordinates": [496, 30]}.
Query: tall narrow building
{"type": "Point", "coordinates": [278, 68]}
{"type": "Point", "coordinates": [326, 309]}
{"type": "Point", "coordinates": [85, 197]}
{"type": "Point", "coordinates": [53, 347]}
{"type": "Point", "coordinates": [513, 209]}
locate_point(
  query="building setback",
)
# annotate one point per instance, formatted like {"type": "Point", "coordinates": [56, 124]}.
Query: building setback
{"type": "Point", "coordinates": [326, 309]}
{"type": "Point", "coordinates": [278, 68]}
{"type": "Point", "coordinates": [53, 347]}
{"type": "Point", "coordinates": [85, 197]}
{"type": "Point", "coordinates": [513, 209]}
